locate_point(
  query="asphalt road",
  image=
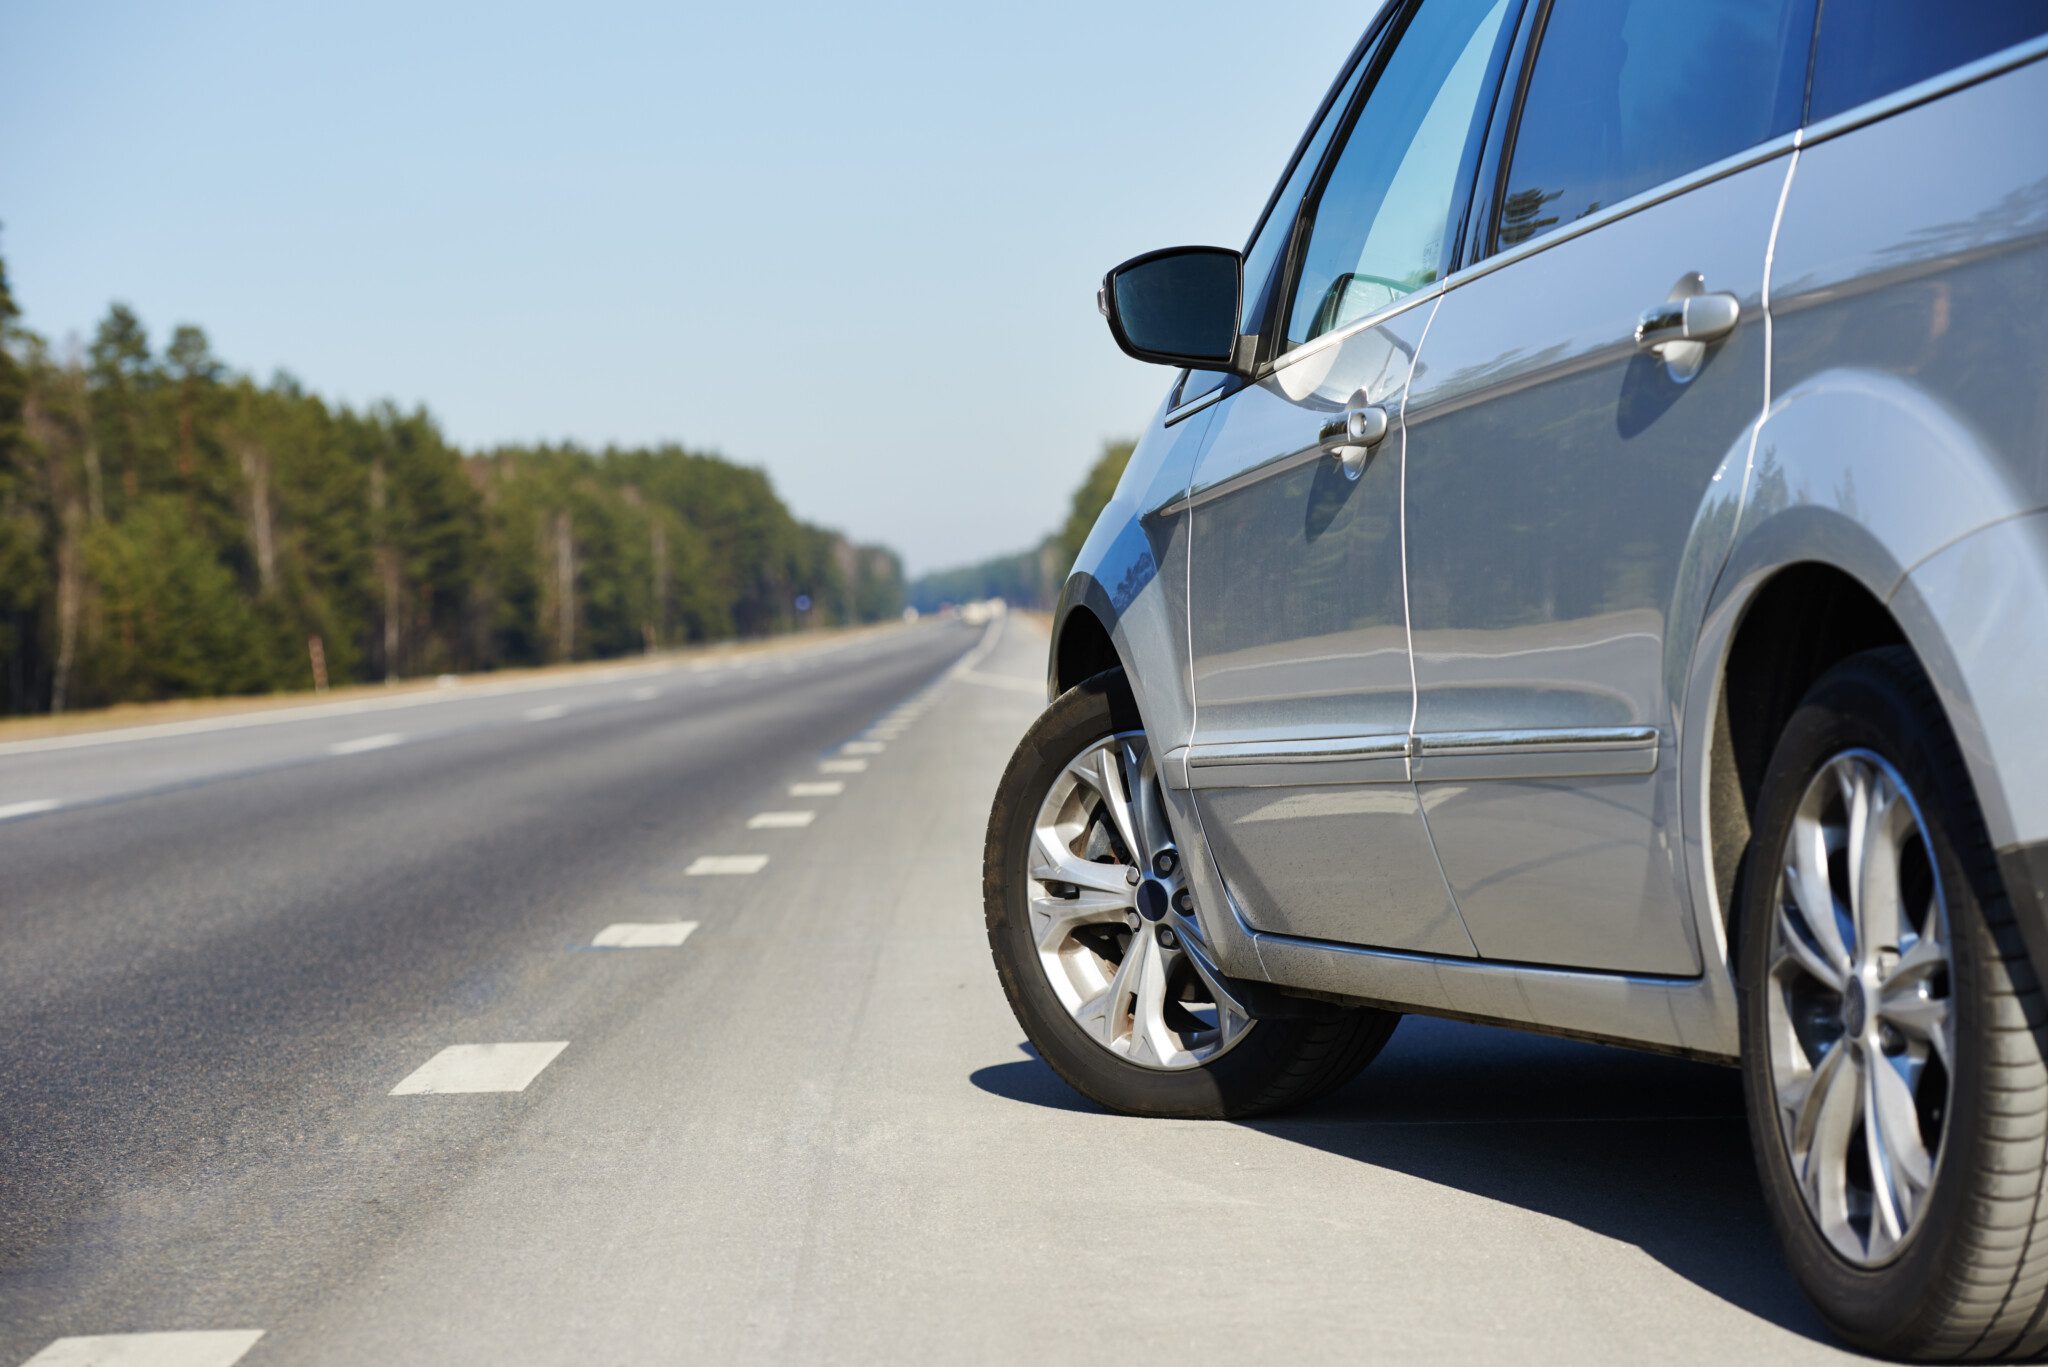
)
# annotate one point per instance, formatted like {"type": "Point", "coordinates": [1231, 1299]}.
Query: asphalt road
{"type": "Point", "coordinates": [231, 958]}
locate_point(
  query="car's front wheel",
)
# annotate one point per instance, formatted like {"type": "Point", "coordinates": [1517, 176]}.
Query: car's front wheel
{"type": "Point", "coordinates": [1893, 1030]}
{"type": "Point", "coordinates": [1089, 921]}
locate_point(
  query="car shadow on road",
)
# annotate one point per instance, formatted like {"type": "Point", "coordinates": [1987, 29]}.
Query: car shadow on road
{"type": "Point", "coordinates": [1647, 1150]}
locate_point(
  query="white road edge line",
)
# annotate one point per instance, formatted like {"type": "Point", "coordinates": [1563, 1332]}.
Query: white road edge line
{"type": "Point", "coordinates": [32, 807]}
{"type": "Point", "coordinates": [718, 865]}
{"type": "Point", "coordinates": [480, 1068]}
{"type": "Point", "coordinates": [175, 1348]}
{"type": "Point", "coordinates": [780, 821]}
{"type": "Point", "coordinates": [643, 935]}
{"type": "Point", "coordinates": [362, 743]}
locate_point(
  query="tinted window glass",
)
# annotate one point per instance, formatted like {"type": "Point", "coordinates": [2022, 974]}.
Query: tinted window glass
{"type": "Point", "coordinates": [1627, 94]}
{"type": "Point", "coordinates": [1870, 48]}
{"type": "Point", "coordinates": [1383, 221]}
{"type": "Point", "coordinates": [1270, 242]}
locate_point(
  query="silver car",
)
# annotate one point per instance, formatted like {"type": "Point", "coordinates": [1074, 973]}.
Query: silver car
{"type": "Point", "coordinates": [1591, 575]}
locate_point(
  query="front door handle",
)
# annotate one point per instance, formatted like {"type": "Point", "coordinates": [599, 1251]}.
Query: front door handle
{"type": "Point", "coordinates": [1350, 438]}
{"type": "Point", "coordinates": [1679, 330]}
{"type": "Point", "coordinates": [1692, 318]}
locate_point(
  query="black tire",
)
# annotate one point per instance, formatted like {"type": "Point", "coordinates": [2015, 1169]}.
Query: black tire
{"type": "Point", "coordinates": [1281, 1061]}
{"type": "Point", "coordinates": [1969, 1280]}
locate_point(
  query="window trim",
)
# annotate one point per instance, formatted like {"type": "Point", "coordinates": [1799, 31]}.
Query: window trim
{"type": "Point", "coordinates": [1361, 51]}
{"type": "Point", "coordinates": [1487, 247]}
{"type": "Point", "coordinates": [1898, 101]}
{"type": "Point", "coordinates": [1271, 357]}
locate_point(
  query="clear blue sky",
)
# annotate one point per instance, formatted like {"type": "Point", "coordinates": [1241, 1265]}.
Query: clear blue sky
{"type": "Point", "coordinates": [855, 244]}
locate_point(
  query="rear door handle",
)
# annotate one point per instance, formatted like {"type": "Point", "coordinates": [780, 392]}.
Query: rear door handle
{"type": "Point", "coordinates": [1350, 438]}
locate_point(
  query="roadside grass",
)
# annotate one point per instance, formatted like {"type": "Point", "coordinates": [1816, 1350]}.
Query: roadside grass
{"type": "Point", "coordinates": [184, 709]}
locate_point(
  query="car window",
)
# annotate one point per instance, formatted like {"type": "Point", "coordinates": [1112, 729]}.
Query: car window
{"type": "Point", "coordinates": [1870, 48]}
{"type": "Point", "coordinates": [1627, 94]}
{"type": "Point", "coordinates": [1269, 243]}
{"type": "Point", "coordinates": [1384, 218]}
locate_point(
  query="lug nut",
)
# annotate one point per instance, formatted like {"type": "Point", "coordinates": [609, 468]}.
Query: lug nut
{"type": "Point", "coordinates": [1184, 902]}
{"type": "Point", "coordinates": [1132, 876]}
{"type": "Point", "coordinates": [1167, 939]}
{"type": "Point", "coordinates": [1890, 1040]}
{"type": "Point", "coordinates": [1164, 863]}
{"type": "Point", "coordinates": [1133, 920]}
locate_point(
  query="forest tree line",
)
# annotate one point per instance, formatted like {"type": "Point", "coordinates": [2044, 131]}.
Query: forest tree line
{"type": "Point", "coordinates": [170, 528]}
{"type": "Point", "coordinates": [1031, 578]}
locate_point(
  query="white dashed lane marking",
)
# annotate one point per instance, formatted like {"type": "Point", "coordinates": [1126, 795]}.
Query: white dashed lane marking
{"type": "Point", "coordinates": [34, 806]}
{"type": "Point", "coordinates": [480, 1068]}
{"type": "Point", "coordinates": [829, 788]}
{"type": "Point", "coordinates": [546, 712]}
{"type": "Point", "coordinates": [780, 821]}
{"type": "Point", "coordinates": [648, 694]}
{"type": "Point", "coordinates": [718, 864]}
{"type": "Point", "coordinates": [357, 746]}
{"type": "Point", "coordinates": [190, 1348]}
{"type": "Point", "coordinates": [843, 766]}
{"type": "Point", "coordinates": [862, 747]}
{"type": "Point", "coordinates": [643, 935]}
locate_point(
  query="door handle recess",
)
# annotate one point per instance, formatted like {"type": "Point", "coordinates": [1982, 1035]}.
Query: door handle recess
{"type": "Point", "coordinates": [1350, 438]}
{"type": "Point", "coordinates": [1690, 318]}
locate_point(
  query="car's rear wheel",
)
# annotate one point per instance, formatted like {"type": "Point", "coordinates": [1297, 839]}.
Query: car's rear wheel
{"type": "Point", "coordinates": [1893, 1030]}
{"type": "Point", "coordinates": [1091, 926]}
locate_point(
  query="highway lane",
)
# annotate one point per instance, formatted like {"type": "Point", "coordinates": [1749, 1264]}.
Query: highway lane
{"type": "Point", "coordinates": [808, 1132]}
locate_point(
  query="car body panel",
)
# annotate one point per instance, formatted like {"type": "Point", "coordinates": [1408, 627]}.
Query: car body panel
{"type": "Point", "coordinates": [1902, 442]}
{"type": "Point", "coordinates": [1299, 648]}
{"type": "Point", "coordinates": [1555, 472]}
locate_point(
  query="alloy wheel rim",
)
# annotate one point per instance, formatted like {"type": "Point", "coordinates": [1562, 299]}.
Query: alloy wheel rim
{"type": "Point", "coordinates": [1860, 1007]}
{"type": "Point", "coordinates": [1107, 895]}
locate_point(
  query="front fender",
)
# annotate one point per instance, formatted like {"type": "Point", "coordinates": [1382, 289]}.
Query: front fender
{"type": "Point", "coordinates": [1131, 576]}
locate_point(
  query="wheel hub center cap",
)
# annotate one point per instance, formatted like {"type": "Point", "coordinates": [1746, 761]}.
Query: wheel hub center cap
{"type": "Point", "coordinates": [1153, 900]}
{"type": "Point", "coordinates": [1855, 1008]}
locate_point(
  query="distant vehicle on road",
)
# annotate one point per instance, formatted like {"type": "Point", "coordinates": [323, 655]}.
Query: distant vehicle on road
{"type": "Point", "coordinates": [1591, 575]}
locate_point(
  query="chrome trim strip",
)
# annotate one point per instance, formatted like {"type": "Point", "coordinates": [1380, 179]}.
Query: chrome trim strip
{"type": "Point", "coordinates": [1537, 754]}
{"type": "Point", "coordinates": [1933, 88]}
{"type": "Point", "coordinates": [1319, 751]}
{"type": "Point", "coordinates": [1338, 761]}
{"type": "Point", "coordinates": [1196, 405]}
{"type": "Point", "coordinates": [1562, 739]}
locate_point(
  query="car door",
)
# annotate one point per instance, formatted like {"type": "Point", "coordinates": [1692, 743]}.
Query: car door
{"type": "Point", "coordinates": [1298, 633]}
{"type": "Point", "coordinates": [1557, 464]}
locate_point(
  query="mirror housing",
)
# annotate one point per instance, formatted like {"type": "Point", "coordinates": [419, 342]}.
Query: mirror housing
{"type": "Point", "coordinates": [1176, 307]}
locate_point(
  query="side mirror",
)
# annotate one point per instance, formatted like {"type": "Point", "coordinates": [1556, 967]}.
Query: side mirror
{"type": "Point", "coordinates": [1176, 307]}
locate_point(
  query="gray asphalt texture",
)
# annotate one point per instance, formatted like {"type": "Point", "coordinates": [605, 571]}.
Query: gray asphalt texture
{"type": "Point", "coordinates": [811, 1133]}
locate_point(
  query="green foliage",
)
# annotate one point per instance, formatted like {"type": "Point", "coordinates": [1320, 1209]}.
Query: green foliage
{"type": "Point", "coordinates": [1091, 497]}
{"type": "Point", "coordinates": [169, 528]}
{"type": "Point", "coordinates": [1031, 578]}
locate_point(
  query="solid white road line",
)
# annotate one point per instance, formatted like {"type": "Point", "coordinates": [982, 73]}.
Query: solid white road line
{"type": "Point", "coordinates": [361, 743]}
{"type": "Point", "coordinates": [10, 810]}
{"type": "Point", "coordinates": [191, 1348]}
{"type": "Point", "coordinates": [711, 865]}
{"type": "Point", "coordinates": [545, 712]}
{"type": "Point", "coordinates": [843, 766]}
{"type": "Point", "coordinates": [862, 747]}
{"type": "Point", "coordinates": [829, 788]}
{"type": "Point", "coordinates": [480, 1068]}
{"type": "Point", "coordinates": [643, 934]}
{"type": "Point", "coordinates": [780, 821]}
